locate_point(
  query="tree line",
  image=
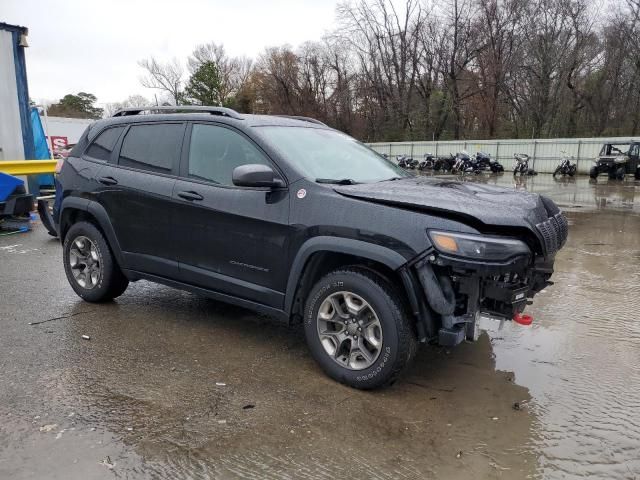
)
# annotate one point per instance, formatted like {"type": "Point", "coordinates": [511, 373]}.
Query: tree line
{"type": "Point", "coordinates": [426, 69]}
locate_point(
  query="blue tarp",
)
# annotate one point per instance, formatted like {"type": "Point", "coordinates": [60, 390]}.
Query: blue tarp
{"type": "Point", "coordinates": [40, 145]}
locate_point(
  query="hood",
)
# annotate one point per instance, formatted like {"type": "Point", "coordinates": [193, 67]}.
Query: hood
{"type": "Point", "coordinates": [488, 204]}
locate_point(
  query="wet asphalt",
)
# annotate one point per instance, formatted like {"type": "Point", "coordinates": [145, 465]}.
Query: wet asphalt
{"type": "Point", "coordinates": [172, 385]}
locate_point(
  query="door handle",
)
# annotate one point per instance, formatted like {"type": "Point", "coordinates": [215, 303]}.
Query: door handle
{"type": "Point", "coordinates": [191, 196]}
{"type": "Point", "coordinates": [108, 181]}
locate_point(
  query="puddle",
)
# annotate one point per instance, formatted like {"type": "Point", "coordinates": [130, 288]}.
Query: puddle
{"type": "Point", "coordinates": [581, 360]}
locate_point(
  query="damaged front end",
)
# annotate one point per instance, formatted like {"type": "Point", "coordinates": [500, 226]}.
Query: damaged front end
{"type": "Point", "coordinates": [465, 276]}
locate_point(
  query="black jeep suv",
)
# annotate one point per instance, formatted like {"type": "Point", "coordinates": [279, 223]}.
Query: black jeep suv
{"type": "Point", "coordinates": [293, 219]}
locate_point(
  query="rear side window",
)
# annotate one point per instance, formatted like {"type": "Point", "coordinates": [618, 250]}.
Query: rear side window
{"type": "Point", "coordinates": [152, 147]}
{"type": "Point", "coordinates": [103, 145]}
{"type": "Point", "coordinates": [216, 151]}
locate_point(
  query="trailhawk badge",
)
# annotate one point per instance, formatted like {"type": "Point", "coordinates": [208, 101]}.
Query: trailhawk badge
{"type": "Point", "coordinates": [301, 193]}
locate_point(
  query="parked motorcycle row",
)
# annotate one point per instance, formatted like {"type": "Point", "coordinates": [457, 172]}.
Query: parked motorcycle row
{"type": "Point", "coordinates": [462, 163]}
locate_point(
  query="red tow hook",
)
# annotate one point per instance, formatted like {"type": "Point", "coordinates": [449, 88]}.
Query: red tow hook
{"type": "Point", "coordinates": [522, 318]}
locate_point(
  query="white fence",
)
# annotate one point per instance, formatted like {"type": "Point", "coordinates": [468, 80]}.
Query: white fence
{"type": "Point", "coordinates": [545, 154]}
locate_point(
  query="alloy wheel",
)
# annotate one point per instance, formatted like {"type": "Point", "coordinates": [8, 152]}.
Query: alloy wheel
{"type": "Point", "coordinates": [349, 330]}
{"type": "Point", "coordinates": [85, 262]}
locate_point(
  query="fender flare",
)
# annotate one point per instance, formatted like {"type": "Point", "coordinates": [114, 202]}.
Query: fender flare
{"type": "Point", "coordinates": [371, 251]}
{"type": "Point", "coordinates": [101, 216]}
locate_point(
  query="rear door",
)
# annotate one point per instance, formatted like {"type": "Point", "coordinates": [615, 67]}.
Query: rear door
{"type": "Point", "coordinates": [137, 188]}
{"type": "Point", "coordinates": [233, 240]}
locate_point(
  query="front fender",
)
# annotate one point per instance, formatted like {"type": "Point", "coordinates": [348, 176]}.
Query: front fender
{"type": "Point", "coordinates": [370, 251]}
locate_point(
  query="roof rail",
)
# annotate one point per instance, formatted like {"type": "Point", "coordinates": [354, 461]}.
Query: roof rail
{"type": "Point", "coordinates": [226, 112]}
{"type": "Point", "coordinates": [304, 119]}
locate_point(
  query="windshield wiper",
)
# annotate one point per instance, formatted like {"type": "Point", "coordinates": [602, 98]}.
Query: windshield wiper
{"type": "Point", "coordinates": [342, 181]}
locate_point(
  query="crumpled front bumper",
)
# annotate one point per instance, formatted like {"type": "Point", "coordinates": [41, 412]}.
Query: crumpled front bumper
{"type": "Point", "coordinates": [456, 291]}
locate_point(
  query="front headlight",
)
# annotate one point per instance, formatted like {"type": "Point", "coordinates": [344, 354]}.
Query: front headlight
{"type": "Point", "coordinates": [477, 247]}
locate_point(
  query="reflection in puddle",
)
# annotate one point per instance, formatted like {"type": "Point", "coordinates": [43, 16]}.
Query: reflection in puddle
{"type": "Point", "coordinates": [581, 360]}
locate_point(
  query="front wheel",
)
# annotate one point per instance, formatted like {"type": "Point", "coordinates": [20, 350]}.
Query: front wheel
{"type": "Point", "coordinates": [358, 329]}
{"type": "Point", "coordinates": [620, 173]}
{"type": "Point", "coordinates": [593, 173]}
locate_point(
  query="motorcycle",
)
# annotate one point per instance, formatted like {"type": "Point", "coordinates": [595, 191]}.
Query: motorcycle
{"type": "Point", "coordinates": [485, 162]}
{"type": "Point", "coordinates": [427, 163]}
{"type": "Point", "coordinates": [444, 164]}
{"type": "Point", "coordinates": [521, 165]}
{"type": "Point", "coordinates": [465, 163]}
{"type": "Point", "coordinates": [406, 162]}
{"type": "Point", "coordinates": [565, 167]}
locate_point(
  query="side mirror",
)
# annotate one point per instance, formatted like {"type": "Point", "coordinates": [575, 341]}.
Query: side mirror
{"type": "Point", "coordinates": [255, 175]}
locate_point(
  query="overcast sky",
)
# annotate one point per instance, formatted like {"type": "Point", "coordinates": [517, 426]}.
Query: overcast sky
{"type": "Point", "coordinates": [94, 46]}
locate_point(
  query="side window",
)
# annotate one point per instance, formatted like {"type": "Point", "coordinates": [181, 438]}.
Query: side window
{"type": "Point", "coordinates": [633, 152]}
{"type": "Point", "coordinates": [216, 151]}
{"type": "Point", "coordinates": [152, 147]}
{"type": "Point", "coordinates": [103, 145]}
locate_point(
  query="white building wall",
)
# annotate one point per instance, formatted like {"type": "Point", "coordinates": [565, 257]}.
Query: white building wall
{"type": "Point", "coordinates": [69, 129]}
{"type": "Point", "coordinates": [11, 146]}
{"type": "Point", "coordinates": [545, 153]}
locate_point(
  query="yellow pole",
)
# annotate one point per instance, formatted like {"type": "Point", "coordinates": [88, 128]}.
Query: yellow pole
{"type": "Point", "coordinates": [27, 167]}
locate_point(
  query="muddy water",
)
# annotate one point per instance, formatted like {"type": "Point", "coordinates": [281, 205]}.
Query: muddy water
{"type": "Point", "coordinates": [581, 360]}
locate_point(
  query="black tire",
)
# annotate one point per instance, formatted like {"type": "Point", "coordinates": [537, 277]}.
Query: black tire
{"type": "Point", "coordinates": [111, 282]}
{"type": "Point", "coordinates": [637, 174]}
{"type": "Point", "coordinates": [572, 170]}
{"type": "Point", "coordinates": [399, 343]}
{"type": "Point", "coordinates": [593, 173]}
{"type": "Point", "coordinates": [620, 173]}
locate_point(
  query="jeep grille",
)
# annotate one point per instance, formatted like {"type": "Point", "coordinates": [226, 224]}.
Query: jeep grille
{"type": "Point", "coordinates": [554, 233]}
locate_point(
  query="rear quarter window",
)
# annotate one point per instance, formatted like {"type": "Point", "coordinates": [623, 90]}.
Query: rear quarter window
{"type": "Point", "coordinates": [102, 147]}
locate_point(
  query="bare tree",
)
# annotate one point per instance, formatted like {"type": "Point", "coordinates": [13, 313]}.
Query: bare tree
{"type": "Point", "coordinates": [234, 71]}
{"type": "Point", "coordinates": [131, 101]}
{"type": "Point", "coordinates": [166, 77]}
{"type": "Point", "coordinates": [458, 48]}
{"type": "Point", "coordinates": [386, 41]}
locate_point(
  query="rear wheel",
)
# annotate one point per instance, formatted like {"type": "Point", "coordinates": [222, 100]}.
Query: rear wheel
{"type": "Point", "coordinates": [358, 329]}
{"type": "Point", "coordinates": [90, 266]}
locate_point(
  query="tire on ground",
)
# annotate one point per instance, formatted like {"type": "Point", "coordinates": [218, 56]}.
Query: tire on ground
{"type": "Point", "coordinates": [112, 282]}
{"type": "Point", "coordinates": [399, 343]}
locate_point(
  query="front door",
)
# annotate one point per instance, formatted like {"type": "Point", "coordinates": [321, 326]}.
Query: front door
{"type": "Point", "coordinates": [233, 240]}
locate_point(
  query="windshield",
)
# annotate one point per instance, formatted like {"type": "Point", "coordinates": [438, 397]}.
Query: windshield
{"type": "Point", "coordinates": [329, 155]}
{"type": "Point", "coordinates": [614, 149]}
